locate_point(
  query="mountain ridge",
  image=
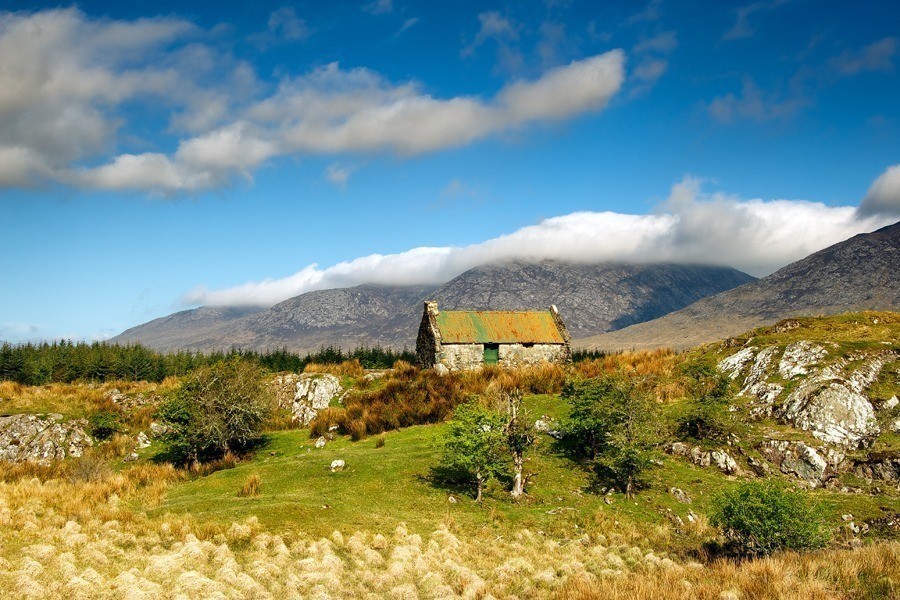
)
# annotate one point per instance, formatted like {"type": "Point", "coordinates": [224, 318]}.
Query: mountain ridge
{"type": "Point", "coordinates": [860, 273]}
{"type": "Point", "coordinates": [591, 298]}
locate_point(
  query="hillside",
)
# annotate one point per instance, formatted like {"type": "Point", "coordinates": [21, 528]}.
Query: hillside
{"type": "Point", "coordinates": [385, 525]}
{"type": "Point", "coordinates": [591, 298]}
{"type": "Point", "coordinates": [857, 274]}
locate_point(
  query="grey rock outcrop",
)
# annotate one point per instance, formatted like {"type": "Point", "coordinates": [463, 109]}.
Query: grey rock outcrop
{"type": "Point", "coordinates": [705, 458]}
{"type": "Point", "coordinates": [798, 357]}
{"type": "Point", "coordinates": [802, 461]}
{"type": "Point", "coordinates": [833, 407]}
{"type": "Point", "coordinates": [306, 394]}
{"type": "Point", "coordinates": [827, 402]}
{"type": "Point", "coordinates": [41, 439]}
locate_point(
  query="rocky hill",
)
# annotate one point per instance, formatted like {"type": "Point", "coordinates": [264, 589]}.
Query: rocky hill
{"type": "Point", "coordinates": [857, 274]}
{"type": "Point", "coordinates": [591, 298]}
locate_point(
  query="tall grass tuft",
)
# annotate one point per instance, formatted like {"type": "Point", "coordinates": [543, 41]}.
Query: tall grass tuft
{"type": "Point", "coordinates": [250, 487]}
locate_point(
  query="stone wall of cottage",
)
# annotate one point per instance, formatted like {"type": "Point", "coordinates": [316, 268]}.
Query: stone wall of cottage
{"type": "Point", "coordinates": [517, 355]}
{"type": "Point", "coordinates": [465, 357]}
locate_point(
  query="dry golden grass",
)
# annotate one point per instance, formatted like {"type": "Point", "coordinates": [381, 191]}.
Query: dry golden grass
{"type": "Point", "coordinates": [67, 538]}
{"type": "Point", "coordinates": [348, 368]}
{"type": "Point", "coordinates": [250, 487]}
{"type": "Point", "coordinates": [79, 400]}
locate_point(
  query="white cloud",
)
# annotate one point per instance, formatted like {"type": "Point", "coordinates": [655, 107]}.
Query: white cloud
{"type": "Point", "coordinates": [754, 105]}
{"type": "Point", "coordinates": [757, 236]}
{"type": "Point", "coordinates": [883, 197]}
{"type": "Point", "coordinates": [339, 174]}
{"type": "Point", "coordinates": [64, 81]}
{"type": "Point", "coordinates": [407, 24]}
{"type": "Point", "coordinates": [379, 7]}
{"type": "Point", "coordinates": [504, 32]}
{"type": "Point", "coordinates": [742, 27]}
{"type": "Point", "coordinates": [284, 26]}
{"type": "Point", "coordinates": [877, 56]}
{"type": "Point", "coordinates": [652, 60]}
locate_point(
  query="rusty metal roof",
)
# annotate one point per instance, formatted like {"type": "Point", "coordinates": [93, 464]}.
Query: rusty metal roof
{"type": "Point", "coordinates": [498, 327]}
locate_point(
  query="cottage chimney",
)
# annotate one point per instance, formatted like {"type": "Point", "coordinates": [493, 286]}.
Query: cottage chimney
{"type": "Point", "coordinates": [431, 307]}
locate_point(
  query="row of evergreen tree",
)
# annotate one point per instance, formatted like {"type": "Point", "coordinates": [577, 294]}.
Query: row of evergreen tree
{"type": "Point", "coordinates": [65, 361]}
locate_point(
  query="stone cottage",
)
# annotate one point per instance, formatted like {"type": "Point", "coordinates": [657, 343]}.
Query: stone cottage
{"type": "Point", "coordinates": [458, 340]}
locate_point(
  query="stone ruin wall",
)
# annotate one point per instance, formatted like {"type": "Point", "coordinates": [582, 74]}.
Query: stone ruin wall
{"type": "Point", "coordinates": [464, 357]}
{"type": "Point", "coordinates": [516, 355]}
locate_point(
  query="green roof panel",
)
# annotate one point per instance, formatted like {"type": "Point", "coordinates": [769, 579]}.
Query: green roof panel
{"type": "Point", "coordinates": [498, 327]}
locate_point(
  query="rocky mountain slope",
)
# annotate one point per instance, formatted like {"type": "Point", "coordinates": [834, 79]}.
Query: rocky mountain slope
{"type": "Point", "coordinates": [857, 274]}
{"type": "Point", "coordinates": [591, 298]}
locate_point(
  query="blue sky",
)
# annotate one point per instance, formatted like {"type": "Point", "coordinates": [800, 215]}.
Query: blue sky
{"type": "Point", "coordinates": [156, 156]}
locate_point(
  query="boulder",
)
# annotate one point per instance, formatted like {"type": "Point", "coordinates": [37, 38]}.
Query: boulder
{"type": "Point", "coordinates": [306, 394]}
{"type": "Point", "coordinates": [704, 458]}
{"type": "Point", "coordinates": [798, 357]}
{"type": "Point", "coordinates": [890, 403]}
{"type": "Point", "coordinates": [41, 439]}
{"type": "Point", "coordinates": [680, 495]}
{"type": "Point", "coordinates": [158, 429]}
{"type": "Point", "coordinates": [812, 465]}
{"type": "Point", "coordinates": [320, 443]}
{"type": "Point", "coordinates": [142, 440]}
{"type": "Point", "coordinates": [879, 465]}
{"type": "Point", "coordinates": [833, 407]}
{"type": "Point", "coordinates": [337, 465]}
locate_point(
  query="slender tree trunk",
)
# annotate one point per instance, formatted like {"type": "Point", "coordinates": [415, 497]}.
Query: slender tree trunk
{"type": "Point", "coordinates": [480, 487]}
{"type": "Point", "coordinates": [518, 483]}
{"type": "Point", "coordinates": [629, 487]}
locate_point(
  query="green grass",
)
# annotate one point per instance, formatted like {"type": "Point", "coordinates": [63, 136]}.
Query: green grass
{"type": "Point", "coordinates": [383, 487]}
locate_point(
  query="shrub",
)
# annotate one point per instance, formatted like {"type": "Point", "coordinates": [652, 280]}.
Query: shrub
{"type": "Point", "coordinates": [380, 441]}
{"type": "Point", "coordinates": [251, 487]}
{"type": "Point", "coordinates": [217, 409]}
{"type": "Point", "coordinates": [611, 422]}
{"type": "Point", "coordinates": [762, 517]}
{"type": "Point", "coordinates": [707, 416]}
{"type": "Point", "coordinates": [104, 424]}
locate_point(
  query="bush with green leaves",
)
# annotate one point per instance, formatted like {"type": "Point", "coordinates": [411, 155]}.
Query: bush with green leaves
{"type": "Point", "coordinates": [104, 424]}
{"type": "Point", "coordinates": [611, 422]}
{"type": "Point", "coordinates": [475, 445]}
{"type": "Point", "coordinates": [761, 517]}
{"type": "Point", "coordinates": [707, 416]}
{"type": "Point", "coordinates": [217, 409]}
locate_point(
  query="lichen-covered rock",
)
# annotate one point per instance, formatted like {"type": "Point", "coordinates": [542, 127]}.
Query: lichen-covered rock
{"type": "Point", "coordinates": [832, 408]}
{"type": "Point", "coordinates": [306, 394]}
{"type": "Point", "coordinates": [879, 466]}
{"type": "Point", "coordinates": [41, 439]}
{"type": "Point", "coordinates": [704, 458]}
{"type": "Point", "coordinates": [734, 364]}
{"type": "Point", "coordinates": [812, 465]}
{"type": "Point", "coordinates": [755, 385]}
{"type": "Point", "coordinates": [142, 440]}
{"type": "Point", "coordinates": [798, 357]}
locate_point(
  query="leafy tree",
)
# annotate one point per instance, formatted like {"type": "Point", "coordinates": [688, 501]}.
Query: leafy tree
{"type": "Point", "coordinates": [474, 444]}
{"type": "Point", "coordinates": [762, 517]}
{"type": "Point", "coordinates": [611, 422]}
{"type": "Point", "coordinates": [217, 408]}
{"type": "Point", "coordinates": [519, 438]}
{"type": "Point", "coordinates": [707, 416]}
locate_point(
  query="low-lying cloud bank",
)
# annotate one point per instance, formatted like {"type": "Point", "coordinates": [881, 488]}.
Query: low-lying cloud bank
{"type": "Point", "coordinates": [68, 84]}
{"type": "Point", "coordinates": [756, 236]}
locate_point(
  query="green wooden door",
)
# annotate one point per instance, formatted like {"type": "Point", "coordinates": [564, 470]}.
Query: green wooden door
{"type": "Point", "coordinates": [491, 354]}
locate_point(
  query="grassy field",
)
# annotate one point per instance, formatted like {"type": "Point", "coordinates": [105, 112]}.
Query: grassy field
{"type": "Point", "coordinates": [385, 528]}
{"type": "Point", "coordinates": [384, 487]}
